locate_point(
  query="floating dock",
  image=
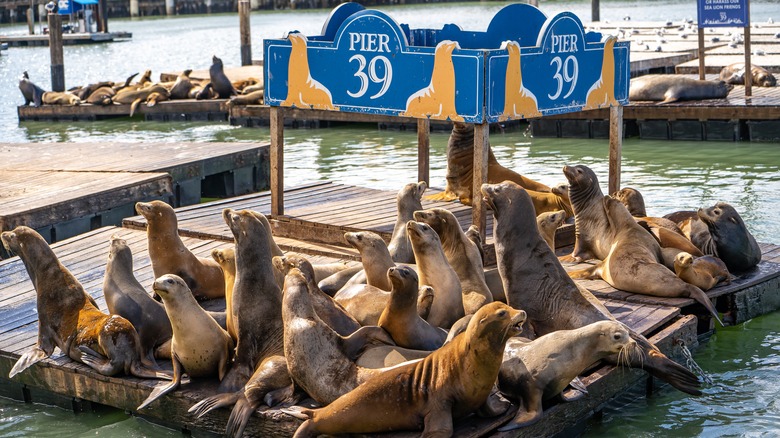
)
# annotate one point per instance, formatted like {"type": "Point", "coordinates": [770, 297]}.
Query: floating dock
{"type": "Point", "coordinates": [67, 39]}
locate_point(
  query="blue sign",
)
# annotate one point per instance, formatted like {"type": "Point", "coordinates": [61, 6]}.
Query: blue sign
{"type": "Point", "coordinates": [723, 13]}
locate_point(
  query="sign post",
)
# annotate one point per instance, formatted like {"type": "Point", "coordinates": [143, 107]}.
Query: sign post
{"type": "Point", "coordinates": [726, 13]}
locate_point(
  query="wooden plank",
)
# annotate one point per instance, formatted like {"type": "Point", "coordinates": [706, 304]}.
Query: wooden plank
{"type": "Point", "coordinates": [423, 150]}
{"type": "Point", "coordinates": [277, 161]}
{"type": "Point", "coordinates": [480, 171]}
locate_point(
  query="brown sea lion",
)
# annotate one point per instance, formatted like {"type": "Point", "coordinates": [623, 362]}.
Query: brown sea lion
{"type": "Point", "coordinates": [332, 284]}
{"type": "Point", "coordinates": [101, 96]}
{"type": "Point", "coordinates": [122, 85]}
{"type": "Point", "coordinates": [134, 97]}
{"type": "Point", "coordinates": [631, 259]}
{"type": "Point", "coordinates": [400, 318]}
{"type": "Point", "coordinates": [375, 257]}
{"type": "Point", "coordinates": [126, 297]}
{"type": "Point", "coordinates": [435, 271]}
{"type": "Point", "coordinates": [199, 347]}
{"type": "Point", "coordinates": [462, 254]}
{"type": "Point", "coordinates": [427, 395]}
{"type": "Point", "coordinates": [699, 234]}
{"type": "Point", "coordinates": [84, 92]}
{"type": "Point", "coordinates": [534, 279]}
{"type": "Point", "coordinates": [181, 88]}
{"type": "Point", "coordinates": [241, 84]}
{"type": "Point", "coordinates": [257, 298]}
{"type": "Point", "coordinates": [735, 74]}
{"type": "Point", "coordinates": [30, 91]}
{"type": "Point", "coordinates": [538, 370]}
{"type": "Point", "coordinates": [460, 172]}
{"type": "Point", "coordinates": [226, 258]}
{"type": "Point", "coordinates": [704, 272]}
{"type": "Point", "coordinates": [219, 81]}
{"type": "Point", "coordinates": [735, 245]}
{"type": "Point", "coordinates": [68, 319]}
{"type": "Point", "coordinates": [364, 302]}
{"type": "Point", "coordinates": [249, 89]}
{"type": "Point", "coordinates": [547, 223]}
{"type": "Point", "coordinates": [321, 361]}
{"type": "Point", "coordinates": [253, 98]}
{"type": "Point", "coordinates": [635, 203]}
{"type": "Point", "coordinates": [60, 98]}
{"type": "Point", "coordinates": [408, 201]}
{"type": "Point", "coordinates": [672, 88]}
{"type": "Point", "coordinates": [169, 255]}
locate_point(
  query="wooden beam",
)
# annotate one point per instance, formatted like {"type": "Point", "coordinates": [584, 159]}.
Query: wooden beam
{"type": "Point", "coordinates": [55, 49]}
{"type": "Point", "coordinates": [615, 146]}
{"type": "Point", "coordinates": [423, 150]}
{"type": "Point", "coordinates": [594, 10]}
{"type": "Point", "coordinates": [481, 148]}
{"type": "Point", "coordinates": [277, 161]}
{"type": "Point", "coordinates": [244, 28]}
{"type": "Point", "coordinates": [701, 53]}
{"type": "Point", "coordinates": [748, 67]}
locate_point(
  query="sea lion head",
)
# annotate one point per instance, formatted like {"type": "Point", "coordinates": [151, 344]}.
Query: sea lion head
{"type": "Point", "coordinates": [224, 256]}
{"type": "Point", "coordinates": [722, 88]}
{"type": "Point", "coordinates": [614, 338]}
{"type": "Point", "coordinates": [507, 196]}
{"type": "Point", "coordinates": [170, 287]}
{"type": "Point", "coordinates": [17, 240]}
{"type": "Point", "coordinates": [362, 240]}
{"type": "Point", "coordinates": [495, 323]}
{"type": "Point", "coordinates": [403, 278]}
{"type": "Point", "coordinates": [766, 79]}
{"type": "Point", "coordinates": [633, 201]}
{"type": "Point", "coordinates": [155, 210]}
{"type": "Point", "coordinates": [720, 213]}
{"type": "Point", "coordinates": [683, 260]}
{"type": "Point", "coordinates": [421, 233]}
{"type": "Point", "coordinates": [288, 262]}
{"type": "Point", "coordinates": [119, 251]}
{"type": "Point", "coordinates": [186, 73]}
{"type": "Point", "coordinates": [437, 218]}
{"type": "Point", "coordinates": [415, 190]}
{"type": "Point", "coordinates": [583, 185]}
{"type": "Point", "coordinates": [552, 219]}
{"type": "Point", "coordinates": [617, 213]}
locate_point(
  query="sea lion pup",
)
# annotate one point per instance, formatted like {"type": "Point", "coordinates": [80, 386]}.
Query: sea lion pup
{"type": "Point", "coordinates": [199, 347]}
{"type": "Point", "coordinates": [460, 171]}
{"type": "Point", "coordinates": [631, 259]}
{"type": "Point", "coordinates": [547, 223]}
{"type": "Point", "coordinates": [219, 81]}
{"type": "Point", "coordinates": [60, 98]}
{"type": "Point", "coordinates": [435, 271]}
{"type": "Point", "coordinates": [31, 92]}
{"type": "Point", "coordinates": [257, 299]}
{"type": "Point", "coordinates": [169, 255]}
{"type": "Point", "coordinates": [462, 255]}
{"type": "Point", "coordinates": [68, 319]}
{"type": "Point", "coordinates": [735, 245]}
{"type": "Point", "coordinates": [635, 203]}
{"type": "Point", "coordinates": [408, 201]}
{"type": "Point", "coordinates": [321, 361]}
{"type": "Point", "coordinates": [538, 370]}
{"type": "Point", "coordinates": [703, 272]}
{"type": "Point", "coordinates": [673, 88]}
{"type": "Point", "coordinates": [329, 311]}
{"type": "Point", "coordinates": [375, 257]}
{"type": "Point", "coordinates": [533, 278]}
{"type": "Point", "coordinates": [126, 297]}
{"type": "Point", "coordinates": [181, 88]}
{"type": "Point", "coordinates": [735, 74]}
{"type": "Point", "coordinates": [452, 382]}
{"type": "Point", "coordinates": [400, 317]}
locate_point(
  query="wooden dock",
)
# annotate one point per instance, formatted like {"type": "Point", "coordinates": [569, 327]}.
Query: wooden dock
{"type": "Point", "coordinates": [63, 189]}
{"type": "Point", "coordinates": [67, 39]}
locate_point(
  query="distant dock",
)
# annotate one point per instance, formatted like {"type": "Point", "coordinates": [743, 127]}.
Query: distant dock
{"type": "Point", "coordinates": [67, 39]}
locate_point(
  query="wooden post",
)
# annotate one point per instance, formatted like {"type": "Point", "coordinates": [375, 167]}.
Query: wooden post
{"type": "Point", "coordinates": [246, 37]}
{"type": "Point", "coordinates": [277, 161]}
{"type": "Point", "coordinates": [701, 53]}
{"type": "Point", "coordinates": [615, 146]}
{"type": "Point", "coordinates": [748, 66]}
{"type": "Point", "coordinates": [102, 16]}
{"type": "Point", "coordinates": [55, 49]}
{"type": "Point", "coordinates": [31, 20]}
{"type": "Point", "coordinates": [423, 150]}
{"type": "Point", "coordinates": [594, 10]}
{"type": "Point", "coordinates": [170, 7]}
{"type": "Point", "coordinates": [481, 148]}
{"type": "Point", "coordinates": [533, 3]}
{"type": "Point", "coordinates": [134, 9]}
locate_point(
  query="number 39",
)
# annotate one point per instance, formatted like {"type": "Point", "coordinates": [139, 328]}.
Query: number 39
{"type": "Point", "coordinates": [570, 70]}
{"type": "Point", "coordinates": [372, 74]}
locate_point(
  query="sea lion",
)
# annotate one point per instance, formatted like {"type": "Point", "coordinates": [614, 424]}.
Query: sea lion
{"type": "Point", "coordinates": [219, 81]}
{"type": "Point", "coordinates": [534, 279]}
{"type": "Point", "coordinates": [320, 360]}
{"type": "Point", "coordinates": [437, 100]}
{"type": "Point", "coordinates": [126, 297]}
{"type": "Point", "coordinates": [460, 168]}
{"type": "Point", "coordinates": [408, 201]}
{"type": "Point", "coordinates": [400, 318]}
{"type": "Point", "coordinates": [252, 88]}
{"type": "Point", "coordinates": [735, 245]}
{"type": "Point", "coordinates": [333, 283]}
{"type": "Point", "coordinates": [451, 382]}
{"type": "Point", "coordinates": [101, 96]}
{"type": "Point", "coordinates": [672, 88]}
{"type": "Point", "coordinates": [364, 302]}
{"type": "Point", "coordinates": [201, 92]}
{"type": "Point", "coordinates": [375, 256]}
{"type": "Point", "coordinates": [60, 98]}
{"type": "Point", "coordinates": [181, 88]}
{"type": "Point", "coordinates": [462, 255]}
{"type": "Point", "coordinates": [631, 258]}
{"type": "Point", "coordinates": [30, 91]}
{"type": "Point", "coordinates": [169, 255]}
{"type": "Point", "coordinates": [84, 92]}
{"type": "Point", "coordinates": [68, 319]}
{"type": "Point", "coordinates": [735, 74]}
{"type": "Point", "coordinates": [153, 98]}
{"type": "Point", "coordinates": [199, 347]}
{"type": "Point", "coordinates": [253, 98]}
{"type": "Point", "coordinates": [547, 223]}
{"type": "Point", "coordinates": [226, 258]}
{"type": "Point", "coordinates": [703, 272]}
{"type": "Point", "coordinates": [135, 97]}
{"type": "Point", "coordinates": [538, 370]}
{"type": "Point", "coordinates": [257, 298]}
{"type": "Point", "coordinates": [435, 271]}
{"type": "Point", "coordinates": [635, 203]}
{"type": "Point", "coordinates": [126, 83]}
{"type": "Point", "coordinates": [241, 84]}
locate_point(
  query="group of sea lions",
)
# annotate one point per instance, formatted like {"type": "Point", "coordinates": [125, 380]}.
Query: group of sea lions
{"type": "Point", "coordinates": [242, 92]}
{"type": "Point", "coordinates": [409, 340]}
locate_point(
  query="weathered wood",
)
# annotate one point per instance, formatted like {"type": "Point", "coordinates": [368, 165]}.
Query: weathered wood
{"type": "Point", "coordinates": [701, 53]}
{"type": "Point", "coordinates": [615, 146]}
{"type": "Point", "coordinates": [423, 150]}
{"type": "Point", "coordinates": [55, 51]}
{"type": "Point", "coordinates": [748, 76]}
{"type": "Point", "coordinates": [244, 29]}
{"type": "Point", "coordinates": [595, 12]}
{"type": "Point", "coordinates": [179, 110]}
{"type": "Point", "coordinates": [480, 171]}
{"type": "Point", "coordinates": [277, 161]}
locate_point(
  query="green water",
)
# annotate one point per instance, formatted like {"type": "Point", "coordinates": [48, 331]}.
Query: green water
{"type": "Point", "coordinates": [742, 360]}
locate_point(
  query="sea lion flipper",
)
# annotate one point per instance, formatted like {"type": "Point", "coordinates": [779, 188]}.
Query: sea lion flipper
{"type": "Point", "coordinates": [424, 302]}
{"type": "Point", "coordinates": [298, 412]}
{"type": "Point", "coordinates": [239, 417]}
{"type": "Point", "coordinates": [493, 406]}
{"type": "Point", "coordinates": [438, 422]}
{"type": "Point", "coordinates": [590, 273]}
{"type": "Point", "coordinates": [208, 404]}
{"type": "Point", "coordinates": [442, 196]}
{"type": "Point", "coordinates": [355, 343]}
{"type": "Point", "coordinates": [530, 412]}
{"type": "Point", "coordinates": [30, 357]}
{"type": "Point", "coordinates": [572, 394]}
{"type": "Point", "coordinates": [277, 396]}
{"type": "Point", "coordinates": [161, 390]}
{"type": "Point", "coordinates": [579, 385]}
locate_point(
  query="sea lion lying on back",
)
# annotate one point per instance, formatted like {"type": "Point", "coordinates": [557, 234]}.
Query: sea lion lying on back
{"type": "Point", "coordinates": [735, 74]}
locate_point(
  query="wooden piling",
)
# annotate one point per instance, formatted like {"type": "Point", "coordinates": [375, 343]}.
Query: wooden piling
{"type": "Point", "coordinates": [481, 149]}
{"type": "Point", "coordinates": [103, 16]}
{"type": "Point", "coordinates": [134, 9]}
{"type": "Point", "coordinates": [55, 48]}
{"type": "Point", "coordinates": [423, 150]}
{"type": "Point", "coordinates": [615, 146]}
{"type": "Point", "coordinates": [748, 67]}
{"type": "Point", "coordinates": [277, 161]}
{"type": "Point", "coordinates": [31, 21]}
{"type": "Point", "coordinates": [246, 37]}
{"type": "Point", "coordinates": [594, 10]}
{"type": "Point", "coordinates": [701, 53]}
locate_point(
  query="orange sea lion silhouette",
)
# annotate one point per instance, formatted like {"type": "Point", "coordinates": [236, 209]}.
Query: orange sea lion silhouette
{"type": "Point", "coordinates": [519, 101]}
{"type": "Point", "coordinates": [602, 93]}
{"type": "Point", "coordinates": [437, 100]}
{"type": "Point", "coordinates": [303, 91]}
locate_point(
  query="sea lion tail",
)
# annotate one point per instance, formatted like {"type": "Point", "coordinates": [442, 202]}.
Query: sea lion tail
{"type": "Point", "coordinates": [134, 105]}
{"type": "Point", "coordinates": [298, 412]}
{"type": "Point", "coordinates": [239, 417]}
{"type": "Point", "coordinates": [208, 404]}
{"type": "Point", "coordinates": [30, 357]}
